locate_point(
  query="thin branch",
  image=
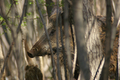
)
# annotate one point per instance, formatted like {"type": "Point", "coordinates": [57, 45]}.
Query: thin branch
{"type": "Point", "coordinates": [67, 42]}
{"type": "Point", "coordinates": [6, 59]}
{"type": "Point", "coordinates": [8, 11]}
{"type": "Point", "coordinates": [53, 63]}
{"type": "Point", "coordinates": [5, 18]}
{"type": "Point", "coordinates": [98, 67]}
{"type": "Point", "coordinates": [113, 7]}
{"type": "Point", "coordinates": [24, 10]}
{"type": "Point", "coordinates": [108, 49]}
{"type": "Point", "coordinates": [27, 18]}
{"type": "Point", "coordinates": [63, 49]}
{"type": "Point", "coordinates": [72, 33]}
{"type": "Point", "coordinates": [58, 64]}
{"type": "Point", "coordinates": [74, 48]}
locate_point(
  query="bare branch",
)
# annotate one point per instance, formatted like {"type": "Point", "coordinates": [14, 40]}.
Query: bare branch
{"type": "Point", "coordinates": [8, 11]}
{"type": "Point", "coordinates": [66, 25]}
{"type": "Point", "coordinates": [58, 64]}
{"type": "Point", "coordinates": [6, 59]}
{"type": "Point", "coordinates": [63, 49]}
{"type": "Point", "coordinates": [24, 10]}
{"type": "Point", "coordinates": [5, 17]}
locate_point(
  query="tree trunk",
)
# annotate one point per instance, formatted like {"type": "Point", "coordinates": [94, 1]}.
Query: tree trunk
{"type": "Point", "coordinates": [89, 46]}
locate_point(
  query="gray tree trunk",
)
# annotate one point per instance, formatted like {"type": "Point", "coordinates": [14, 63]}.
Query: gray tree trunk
{"type": "Point", "coordinates": [89, 46]}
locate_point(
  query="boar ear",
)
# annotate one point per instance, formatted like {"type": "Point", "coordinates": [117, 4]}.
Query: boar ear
{"type": "Point", "coordinates": [54, 10]}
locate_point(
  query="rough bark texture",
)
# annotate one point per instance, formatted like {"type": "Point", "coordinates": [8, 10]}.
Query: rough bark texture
{"type": "Point", "coordinates": [90, 44]}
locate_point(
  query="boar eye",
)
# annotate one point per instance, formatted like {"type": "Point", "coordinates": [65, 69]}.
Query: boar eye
{"type": "Point", "coordinates": [35, 49]}
{"type": "Point", "coordinates": [52, 32]}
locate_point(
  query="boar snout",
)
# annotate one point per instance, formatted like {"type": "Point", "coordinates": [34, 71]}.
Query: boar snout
{"type": "Point", "coordinates": [30, 54]}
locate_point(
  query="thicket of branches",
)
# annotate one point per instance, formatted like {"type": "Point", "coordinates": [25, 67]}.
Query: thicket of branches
{"type": "Point", "coordinates": [59, 39]}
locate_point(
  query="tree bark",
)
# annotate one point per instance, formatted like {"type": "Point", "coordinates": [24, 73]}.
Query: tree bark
{"type": "Point", "coordinates": [89, 48]}
{"type": "Point", "coordinates": [80, 39]}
